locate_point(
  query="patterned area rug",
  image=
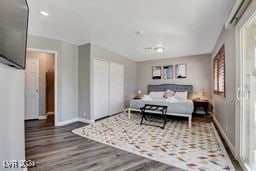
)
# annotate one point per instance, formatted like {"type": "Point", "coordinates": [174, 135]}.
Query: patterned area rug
{"type": "Point", "coordinates": [198, 148]}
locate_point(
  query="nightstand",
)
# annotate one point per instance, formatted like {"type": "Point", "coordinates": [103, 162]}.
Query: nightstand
{"type": "Point", "coordinates": [201, 103]}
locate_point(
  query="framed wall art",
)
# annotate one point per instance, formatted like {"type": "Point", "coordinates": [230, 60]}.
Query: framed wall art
{"type": "Point", "coordinates": [168, 72]}
{"type": "Point", "coordinates": [181, 71]}
{"type": "Point", "coordinates": [156, 72]}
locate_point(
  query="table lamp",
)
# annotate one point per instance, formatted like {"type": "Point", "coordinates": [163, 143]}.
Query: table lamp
{"type": "Point", "coordinates": [139, 93]}
{"type": "Point", "coordinates": [200, 95]}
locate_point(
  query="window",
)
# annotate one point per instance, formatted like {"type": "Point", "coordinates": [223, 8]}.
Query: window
{"type": "Point", "coordinates": [219, 72]}
{"type": "Point", "coordinates": [255, 57]}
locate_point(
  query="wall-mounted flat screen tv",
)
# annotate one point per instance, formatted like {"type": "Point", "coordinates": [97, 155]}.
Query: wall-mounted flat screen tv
{"type": "Point", "coordinates": [13, 32]}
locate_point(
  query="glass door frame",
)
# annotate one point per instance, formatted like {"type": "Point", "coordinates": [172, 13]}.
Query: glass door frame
{"type": "Point", "coordinates": [241, 25]}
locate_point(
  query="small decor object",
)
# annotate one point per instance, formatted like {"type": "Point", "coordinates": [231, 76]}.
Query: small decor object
{"type": "Point", "coordinates": [156, 75]}
{"type": "Point", "coordinates": [168, 72]}
{"type": "Point", "coordinates": [181, 71]}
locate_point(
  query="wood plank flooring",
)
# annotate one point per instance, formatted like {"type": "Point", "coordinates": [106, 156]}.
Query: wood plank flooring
{"type": "Point", "coordinates": [61, 150]}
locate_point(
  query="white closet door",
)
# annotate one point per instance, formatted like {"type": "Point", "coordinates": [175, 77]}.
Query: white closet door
{"type": "Point", "coordinates": [100, 88]}
{"type": "Point", "coordinates": [116, 88]}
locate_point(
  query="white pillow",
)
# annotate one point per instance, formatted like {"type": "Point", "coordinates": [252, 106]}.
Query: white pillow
{"type": "Point", "coordinates": [169, 93]}
{"type": "Point", "coordinates": [181, 95]}
{"type": "Point", "coordinates": [157, 94]}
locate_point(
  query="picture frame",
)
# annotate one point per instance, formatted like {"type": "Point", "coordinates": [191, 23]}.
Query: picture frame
{"type": "Point", "coordinates": [181, 71]}
{"type": "Point", "coordinates": [156, 72]}
{"type": "Point", "coordinates": [168, 71]}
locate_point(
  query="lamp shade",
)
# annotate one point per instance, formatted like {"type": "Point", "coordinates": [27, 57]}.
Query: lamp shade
{"type": "Point", "coordinates": [201, 95]}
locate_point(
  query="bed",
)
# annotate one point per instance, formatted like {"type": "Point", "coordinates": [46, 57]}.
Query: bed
{"type": "Point", "coordinates": [183, 108]}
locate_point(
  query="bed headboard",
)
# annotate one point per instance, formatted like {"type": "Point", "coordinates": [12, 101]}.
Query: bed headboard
{"type": "Point", "coordinates": [173, 87]}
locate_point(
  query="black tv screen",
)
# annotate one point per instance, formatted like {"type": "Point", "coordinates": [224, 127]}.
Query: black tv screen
{"type": "Point", "coordinates": [13, 32]}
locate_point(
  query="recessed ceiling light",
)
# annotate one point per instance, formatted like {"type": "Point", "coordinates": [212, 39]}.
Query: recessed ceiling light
{"type": "Point", "coordinates": [44, 13]}
{"type": "Point", "coordinates": [159, 49]}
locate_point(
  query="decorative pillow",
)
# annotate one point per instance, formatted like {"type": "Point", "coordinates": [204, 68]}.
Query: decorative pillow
{"type": "Point", "coordinates": [169, 93]}
{"type": "Point", "coordinates": [181, 95]}
{"type": "Point", "coordinates": [156, 94]}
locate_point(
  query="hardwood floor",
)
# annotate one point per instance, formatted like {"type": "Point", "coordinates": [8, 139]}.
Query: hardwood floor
{"type": "Point", "coordinates": [59, 149]}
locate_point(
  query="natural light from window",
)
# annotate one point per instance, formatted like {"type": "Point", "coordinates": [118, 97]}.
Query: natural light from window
{"type": "Point", "coordinates": [255, 56]}
{"type": "Point", "coordinates": [255, 111]}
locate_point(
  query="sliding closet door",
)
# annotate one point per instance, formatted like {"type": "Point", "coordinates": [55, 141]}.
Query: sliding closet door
{"type": "Point", "coordinates": [100, 88]}
{"type": "Point", "coordinates": [116, 88]}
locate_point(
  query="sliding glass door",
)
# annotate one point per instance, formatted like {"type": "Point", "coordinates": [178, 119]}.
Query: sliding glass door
{"type": "Point", "coordinates": [247, 95]}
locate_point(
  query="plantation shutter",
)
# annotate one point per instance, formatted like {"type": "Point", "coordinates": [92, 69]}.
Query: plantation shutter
{"type": "Point", "coordinates": [215, 75]}
{"type": "Point", "coordinates": [219, 72]}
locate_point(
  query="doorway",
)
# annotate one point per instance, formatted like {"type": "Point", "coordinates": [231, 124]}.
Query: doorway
{"type": "Point", "coordinates": [40, 86]}
{"type": "Point", "coordinates": [247, 94]}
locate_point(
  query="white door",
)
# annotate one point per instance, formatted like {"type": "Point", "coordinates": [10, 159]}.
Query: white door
{"type": "Point", "coordinates": [100, 88]}
{"type": "Point", "coordinates": [116, 88]}
{"type": "Point", "coordinates": [32, 89]}
{"type": "Point", "coordinates": [247, 96]}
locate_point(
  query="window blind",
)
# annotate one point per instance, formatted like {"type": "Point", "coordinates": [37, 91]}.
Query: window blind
{"type": "Point", "coordinates": [219, 72]}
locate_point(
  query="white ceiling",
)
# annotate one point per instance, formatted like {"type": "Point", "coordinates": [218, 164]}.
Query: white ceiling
{"type": "Point", "coordinates": [182, 27]}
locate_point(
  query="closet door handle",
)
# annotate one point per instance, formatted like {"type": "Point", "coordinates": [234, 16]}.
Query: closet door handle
{"type": "Point", "coordinates": [238, 91]}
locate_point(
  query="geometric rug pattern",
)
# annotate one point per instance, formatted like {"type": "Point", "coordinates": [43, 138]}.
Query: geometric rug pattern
{"type": "Point", "coordinates": [198, 148]}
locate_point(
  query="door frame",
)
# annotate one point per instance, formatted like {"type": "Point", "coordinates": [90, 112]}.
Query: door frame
{"type": "Point", "coordinates": [249, 14]}
{"type": "Point", "coordinates": [55, 79]}
{"type": "Point", "coordinates": [38, 82]}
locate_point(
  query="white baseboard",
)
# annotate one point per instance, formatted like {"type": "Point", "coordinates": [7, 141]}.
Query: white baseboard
{"type": "Point", "coordinates": [230, 145]}
{"type": "Point", "coordinates": [67, 122]}
{"type": "Point", "coordinates": [242, 165]}
{"type": "Point", "coordinates": [42, 117]}
{"type": "Point", "coordinates": [85, 120]}
{"type": "Point", "coordinates": [74, 120]}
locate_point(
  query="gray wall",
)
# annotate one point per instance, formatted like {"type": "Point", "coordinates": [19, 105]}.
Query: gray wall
{"type": "Point", "coordinates": [12, 145]}
{"type": "Point", "coordinates": [130, 70]}
{"type": "Point", "coordinates": [224, 108]}
{"type": "Point", "coordinates": [84, 81]}
{"type": "Point", "coordinates": [67, 74]}
{"type": "Point", "coordinates": [86, 54]}
{"type": "Point", "coordinates": [198, 73]}
{"type": "Point", "coordinates": [46, 62]}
